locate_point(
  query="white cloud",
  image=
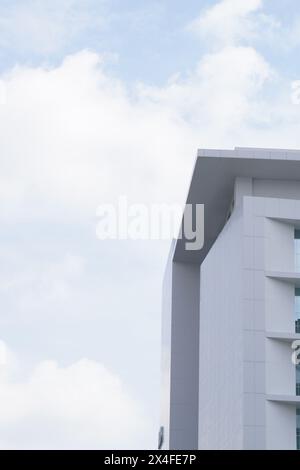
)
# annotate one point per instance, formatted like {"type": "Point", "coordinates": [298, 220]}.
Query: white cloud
{"type": "Point", "coordinates": [220, 94]}
{"type": "Point", "coordinates": [73, 136]}
{"type": "Point", "coordinates": [84, 138]}
{"type": "Point", "coordinates": [8, 363]}
{"type": "Point", "coordinates": [42, 284]}
{"type": "Point", "coordinates": [3, 354]}
{"type": "Point", "coordinates": [229, 22]}
{"type": "Point", "coordinates": [290, 35]}
{"type": "Point", "coordinates": [46, 27]}
{"type": "Point", "coordinates": [80, 406]}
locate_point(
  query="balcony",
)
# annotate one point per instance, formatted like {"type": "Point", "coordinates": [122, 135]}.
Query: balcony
{"type": "Point", "coordinates": [283, 336]}
{"type": "Point", "coordinates": [288, 399]}
{"type": "Point", "coordinates": [291, 277]}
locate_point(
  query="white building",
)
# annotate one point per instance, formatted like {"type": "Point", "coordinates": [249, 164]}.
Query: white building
{"type": "Point", "coordinates": [232, 309]}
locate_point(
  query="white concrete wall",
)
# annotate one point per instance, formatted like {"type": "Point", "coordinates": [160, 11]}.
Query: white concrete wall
{"type": "Point", "coordinates": [221, 340]}
{"type": "Point", "coordinates": [281, 426]}
{"type": "Point", "coordinates": [239, 366]}
{"type": "Point", "coordinates": [180, 360]}
{"type": "Point", "coordinates": [166, 350]}
{"type": "Point", "coordinates": [184, 357]}
{"type": "Point", "coordinates": [276, 189]}
{"type": "Point", "coordinates": [280, 245]}
{"type": "Point", "coordinates": [254, 325]}
{"type": "Point", "coordinates": [280, 371]}
{"type": "Point", "coordinates": [279, 306]}
{"type": "Point", "coordinates": [275, 421]}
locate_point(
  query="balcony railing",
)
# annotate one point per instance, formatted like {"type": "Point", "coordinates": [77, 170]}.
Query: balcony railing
{"type": "Point", "coordinates": [297, 326]}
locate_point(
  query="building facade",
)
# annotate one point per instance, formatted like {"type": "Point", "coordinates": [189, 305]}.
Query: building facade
{"type": "Point", "coordinates": [231, 311]}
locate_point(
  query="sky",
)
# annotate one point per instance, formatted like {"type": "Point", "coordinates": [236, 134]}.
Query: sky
{"type": "Point", "coordinates": [100, 99]}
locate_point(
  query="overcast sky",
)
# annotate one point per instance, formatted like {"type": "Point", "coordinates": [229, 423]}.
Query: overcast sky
{"type": "Point", "coordinates": [102, 98]}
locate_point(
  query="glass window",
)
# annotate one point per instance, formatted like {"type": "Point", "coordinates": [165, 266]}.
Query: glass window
{"type": "Point", "coordinates": [298, 428]}
{"type": "Point", "coordinates": [297, 249]}
{"type": "Point", "coordinates": [298, 380]}
{"type": "Point", "coordinates": [297, 310]}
